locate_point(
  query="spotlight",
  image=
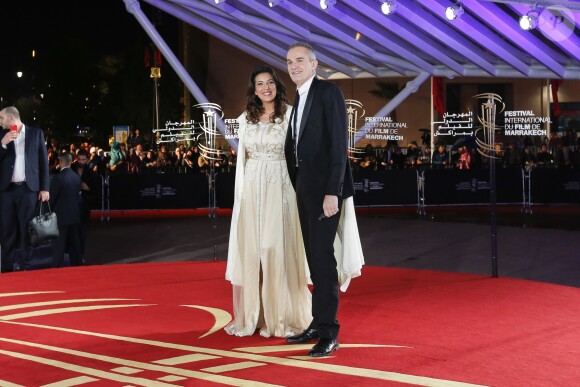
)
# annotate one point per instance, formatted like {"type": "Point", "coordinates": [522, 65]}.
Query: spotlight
{"type": "Point", "coordinates": [219, 1]}
{"type": "Point", "coordinates": [388, 7]}
{"type": "Point", "coordinates": [273, 3]}
{"type": "Point", "coordinates": [453, 12]}
{"type": "Point", "coordinates": [325, 4]}
{"type": "Point", "coordinates": [529, 21]}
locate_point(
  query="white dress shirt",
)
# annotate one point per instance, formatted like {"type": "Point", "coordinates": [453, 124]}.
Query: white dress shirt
{"type": "Point", "coordinates": [19, 173]}
{"type": "Point", "coordinates": [303, 91]}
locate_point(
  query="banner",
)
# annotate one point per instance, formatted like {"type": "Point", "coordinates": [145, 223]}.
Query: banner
{"type": "Point", "coordinates": [158, 191]}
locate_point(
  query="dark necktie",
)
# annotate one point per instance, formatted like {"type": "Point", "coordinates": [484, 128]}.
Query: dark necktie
{"type": "Point", "coordinates": [295, 126]}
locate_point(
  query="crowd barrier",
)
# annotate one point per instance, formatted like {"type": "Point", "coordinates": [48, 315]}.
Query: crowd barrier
{"type": "Point", "coordinates": [553, 185]}
{"type": "Point", "coordinates": [461, 187]}
{"type": "Point", "coordinates": [156, 191]}
{"type": "Point", "coordinates": [404, 187]}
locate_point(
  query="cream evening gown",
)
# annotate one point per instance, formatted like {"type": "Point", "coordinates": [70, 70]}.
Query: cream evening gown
{"type": "Point", "coordinates": [266, 260]}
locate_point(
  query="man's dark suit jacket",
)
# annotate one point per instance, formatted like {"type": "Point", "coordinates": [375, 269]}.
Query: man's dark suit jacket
{"type": "Point", "coordinates": [88, 198]}
{"type": "Point", "coordinates": [322, 146]}
{"type": "Point", "coordinates": [36, 164]}
{"type": "Point", "coordinates": [64, 197]}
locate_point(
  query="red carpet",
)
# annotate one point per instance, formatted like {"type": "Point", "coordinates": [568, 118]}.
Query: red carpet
{"type": "Point", "coordinates": [161, 325]}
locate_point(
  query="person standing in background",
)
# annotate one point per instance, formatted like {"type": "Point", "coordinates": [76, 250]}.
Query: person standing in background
{"type": "Point", "coordinates": [64, 201]}
{"type": "Point", "coordinates": [89, 193]}
{"type": "Point", "coordinates": [24, 179]}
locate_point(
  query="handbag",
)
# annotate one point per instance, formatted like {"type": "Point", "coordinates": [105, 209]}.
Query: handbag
{"type": "Point", "coordinates": [43, 227]}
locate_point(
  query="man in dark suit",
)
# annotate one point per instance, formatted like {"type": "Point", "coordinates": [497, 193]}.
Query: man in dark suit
{"type": "Point", "coordinates": [89, 193]}
{"type": "Point", "coordinates": [316, 154]}
{"type": "Point", "coordinates": [64, 200]}
{"type": "Point", "coordinates": [24, 180]}
{"type": "Point", "coordinates": [135, 139]}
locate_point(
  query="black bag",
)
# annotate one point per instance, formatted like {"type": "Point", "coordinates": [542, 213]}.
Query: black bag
{"type": "Point", "coordinates": [43, 227]}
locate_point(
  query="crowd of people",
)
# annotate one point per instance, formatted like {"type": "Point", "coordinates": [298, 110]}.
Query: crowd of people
{"type": "Point", "coordinates": [563, 152]}
{"type": "Point", "coordinates": [130, 158]}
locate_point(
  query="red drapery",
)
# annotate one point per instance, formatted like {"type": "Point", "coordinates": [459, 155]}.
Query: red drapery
{"type": "Point", "coordinates": [157, 58]}
{"type": "Point", "coordinates": [555, 83]}
{"type": "Point", "coordinates": [438, 101]}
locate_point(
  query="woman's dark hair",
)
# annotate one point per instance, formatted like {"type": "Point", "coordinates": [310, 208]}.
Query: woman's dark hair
{"type": "Point", "coordinates": [254, 106]}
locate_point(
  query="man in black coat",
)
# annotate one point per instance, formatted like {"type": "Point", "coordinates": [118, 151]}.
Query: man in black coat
{"type": "Point", "coordinates": [316, 153]}
{"type": "Point", "coordinates": [90, 184]}
{"type": "Point", "coordinates": [24, 180]}
{"type": "Point", "coordinates": [64, 201]}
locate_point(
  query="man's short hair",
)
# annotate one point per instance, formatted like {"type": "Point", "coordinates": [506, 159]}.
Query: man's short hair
{"type": "Point", "coordinates": [311, 52]}
{"type": "Point", "coordinates": [66, 158]}
{"type": "Point", "coordinates": [12, 111]}
{"type": "Point", "coordinates": [82, 152]}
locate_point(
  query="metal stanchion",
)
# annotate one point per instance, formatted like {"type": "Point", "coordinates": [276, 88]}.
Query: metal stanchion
{"type": "Point", "coordinates": [527, 190]}
{"type": "Point", "coordinates": [493, 216]}
{"type": "Point", "coordinates": [212, 207]}
{"type": "Point", "coordinates": [421, 210]}
{"type": "Point", "coordinates": [486, 147]}
{"type": "Point", "coordinates": [102, 197]}
{"type": "Point", "coordinates": [108, 198]}
{"type": "Point", "coordinates": [105, 198]}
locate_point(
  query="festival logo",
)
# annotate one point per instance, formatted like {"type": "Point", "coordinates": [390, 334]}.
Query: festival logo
{"type": "Point", "coordinates": [525, 123]}
{"type": "Point", "coordinates": [485, 135]}
{"type": "Point", "coordinates": [354, 111]}
{"type": "Point", "coordinates": [454, 124]}
{"type": "Point", "coordinates": [516, 123]}
{"type": "Point", "coordinates": [176, 132]}
{"type": "Point", "coordinates": [232, 128]}
{"type": "Point", "coordinates": [376, 128]}
{"type": "Point", "coordinates": [204, 133]}
{"type": "Point", "coordinates": [212, 112]}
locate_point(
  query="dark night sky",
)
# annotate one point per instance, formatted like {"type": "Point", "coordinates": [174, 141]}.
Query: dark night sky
{"type": "Point", "coordinates": [104, 26]}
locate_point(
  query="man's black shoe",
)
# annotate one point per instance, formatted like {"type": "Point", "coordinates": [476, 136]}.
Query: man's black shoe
{"type": "Point", "coordinates": [324, 347]}
{"type": "Point", "coordinates": [307, 336]}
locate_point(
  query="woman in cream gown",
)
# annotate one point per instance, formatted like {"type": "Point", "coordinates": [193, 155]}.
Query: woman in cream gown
{"type": "Point", "coordinates": [266, 260]}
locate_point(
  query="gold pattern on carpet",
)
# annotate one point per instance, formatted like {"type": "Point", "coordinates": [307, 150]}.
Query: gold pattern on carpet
{"type": "Point", "coordinates": [166, 370]}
